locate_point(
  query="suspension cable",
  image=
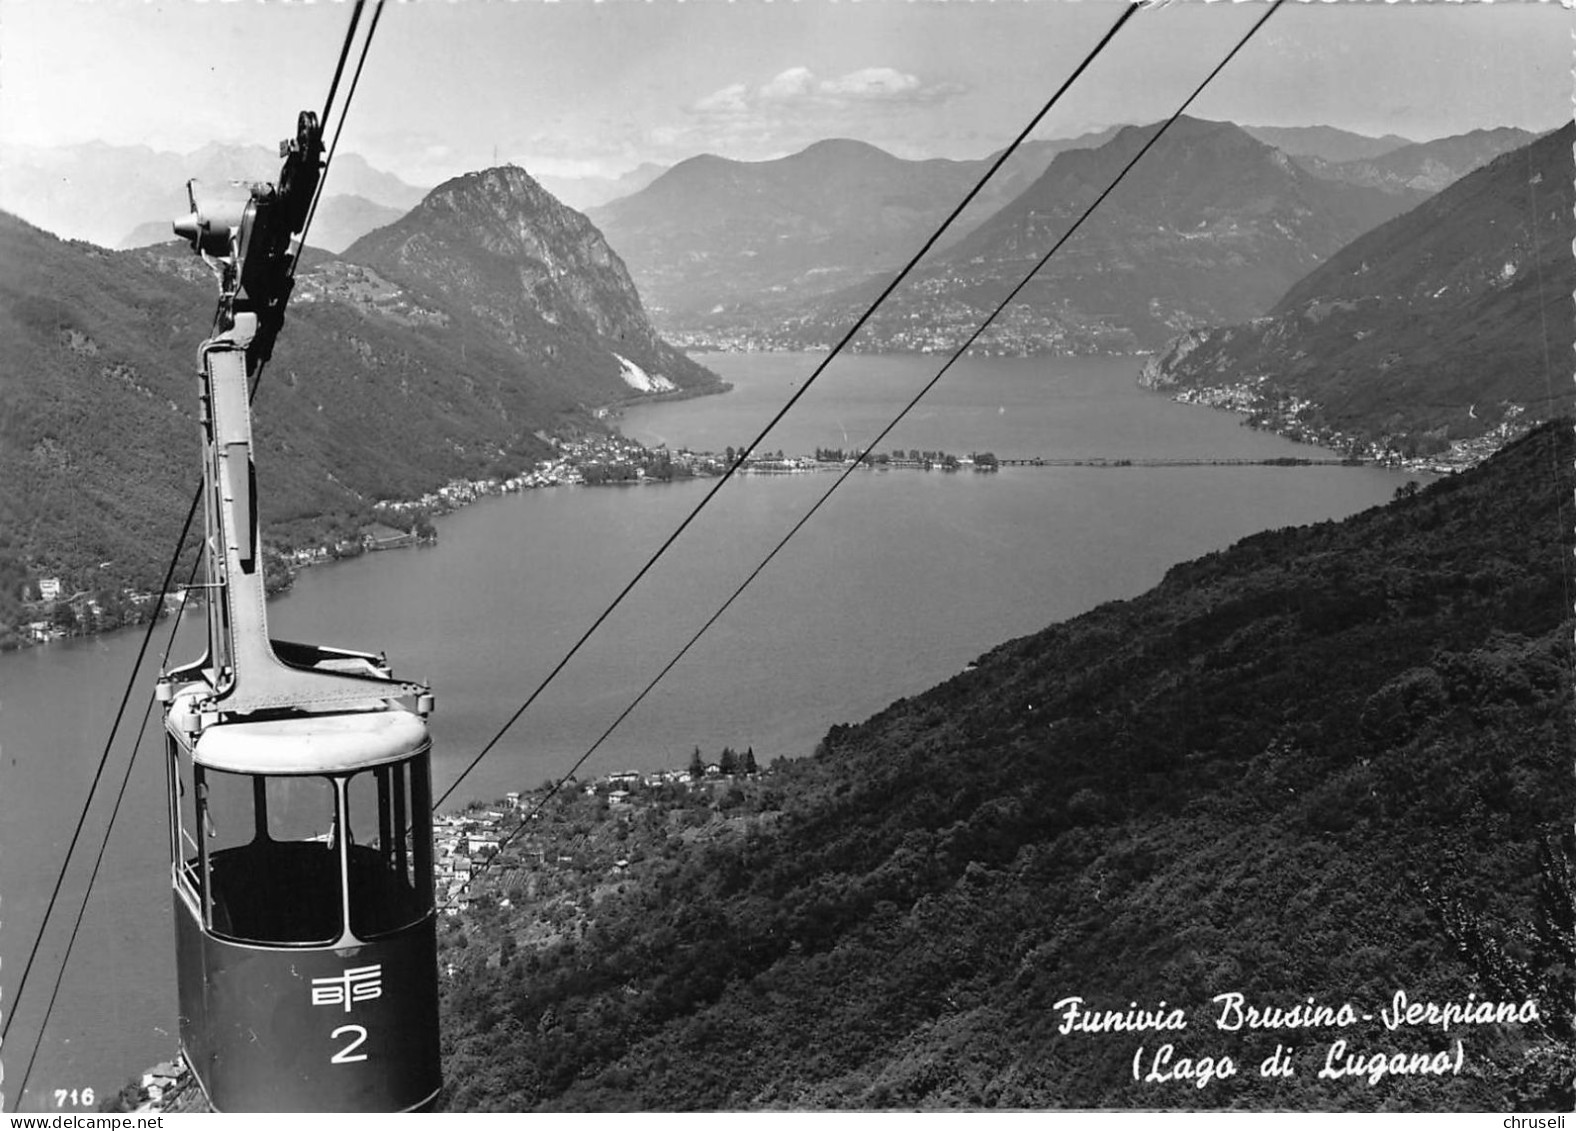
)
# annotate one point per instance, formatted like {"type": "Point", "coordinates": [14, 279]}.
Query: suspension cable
{"type": "Point", "coordinates": [344, 55]}
{"type": "Point", "coordinates": [355, 80]}
{"type": "Point", "coordinates": [164, 588]}
{"type": "Point", "coordinates": [873, 444]}
{"type": "Point", "coordinates": [98, 860]}
{"type": "Point", "coordinates": [98, 773]}
{"type": "Point", "coordinates": [1127, 12]}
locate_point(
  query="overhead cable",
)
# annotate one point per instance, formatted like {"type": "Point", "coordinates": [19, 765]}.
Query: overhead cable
{"type": "Point", "coordinates": [164, 589]}
{"type": "Point", "coordinates": [873, 444]}
{"type": "Point", "coordinates": [1128, 11]}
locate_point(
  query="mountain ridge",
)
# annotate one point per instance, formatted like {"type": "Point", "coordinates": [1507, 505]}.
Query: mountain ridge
{"type": "Point", "coordinates": [62, 189]}
{"type": "Point", "coordinates": [1438, 326]}
{"type": "Point", "coordinates": [1425, 166]}
{"type": "Point", "coordinates": [714, 241]}
{"type": "Point", "coordinates": [1210, 221]}
{"type": "Point", "coordinates": [1327, 143]}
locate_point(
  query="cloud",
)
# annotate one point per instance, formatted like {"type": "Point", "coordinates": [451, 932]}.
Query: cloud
{"type": "Point", "coordinates": [756, 121]}
{"type": "Point", "coordinates": [798, 91]}
{"type": "Point", "coordinates": [729, 100]}
{"type": "Point", "coordinates": [883, 84]}
{"type": "Point", "coordinates": [795, 82]}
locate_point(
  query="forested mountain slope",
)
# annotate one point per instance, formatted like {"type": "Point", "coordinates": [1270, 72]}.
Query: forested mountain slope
{"type": "Point", "coordinates": [1328, 763]}
{"type": "Point", "coordinates": [1445, 323]}
{"type": "Point", "coordinates": [370, 395]}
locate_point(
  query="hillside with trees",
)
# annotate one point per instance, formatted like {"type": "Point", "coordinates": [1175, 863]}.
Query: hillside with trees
{"type": "Point", "coordinates": [374, 393]}
{"type": "Point", "coordinates": [1327, 763]}
{"type": "Point", "coordinates": [1450, 322]}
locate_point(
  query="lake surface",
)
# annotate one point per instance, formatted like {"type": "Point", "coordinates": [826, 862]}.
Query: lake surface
{"type": "Point", "coordinates": [898, 582]}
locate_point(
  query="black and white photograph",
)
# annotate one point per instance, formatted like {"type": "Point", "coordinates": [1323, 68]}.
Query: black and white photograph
{"type": "Point", "coordinates": [787, 556]}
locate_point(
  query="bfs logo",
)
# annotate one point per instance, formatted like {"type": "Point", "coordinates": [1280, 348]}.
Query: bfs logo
{"type": "Point", "coordinates": [362, 983]}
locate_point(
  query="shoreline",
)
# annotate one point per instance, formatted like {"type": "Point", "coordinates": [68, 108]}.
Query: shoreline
{"type": "Point", "coordinates": [612, 459]}
{"type": "Point", "coordinates": [617, 461]}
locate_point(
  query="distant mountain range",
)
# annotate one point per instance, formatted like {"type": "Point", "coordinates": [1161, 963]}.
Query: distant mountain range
{"type": "Point", "coordinates": [1449, 322]}
{"type": "Point", "coordinates": [1326, 142]}
{"type": "Point", "coordinates": [786, 253]}
{"type": "Point", "coordinates": [447, 345]}
{"type": "Point", "coordinates": [338, 223]}
{"type": "Point", "coordinates": [126, 196]}
{"type": "Point", "coordinates": [1211, 226]}
{"type": "Point", "coordinates": [1424, 167]}
{"type": "Point", "coordinates": [715, 237]}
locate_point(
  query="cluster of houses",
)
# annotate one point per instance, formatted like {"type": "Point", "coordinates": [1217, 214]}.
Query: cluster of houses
{"type": "Point", "coordinates": [564, 468]}
{"type": "Point", "coordinates": [53, 613]}
{"type": "Point", "coordinates": [618, 787]}
{"type": "Point", "coordinates": [466, 843]}
{"type": "Point", "coordinates": [1284, 413]}
{"type": "Point", "coordinates": [463, 842]}
{"type": "Point", "coordinates": [156, 1087]}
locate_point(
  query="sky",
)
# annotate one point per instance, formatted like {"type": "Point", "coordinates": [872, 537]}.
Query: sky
{"type": "Point", "coordinates": [583, 88]}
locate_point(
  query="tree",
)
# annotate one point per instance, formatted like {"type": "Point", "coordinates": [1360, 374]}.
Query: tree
{"type": "Point", "coordinates": [729, 762]}
{"type": "Point", "coordinates": [747, 764]}
{"type": "Point", "coordinates": [697, 766]}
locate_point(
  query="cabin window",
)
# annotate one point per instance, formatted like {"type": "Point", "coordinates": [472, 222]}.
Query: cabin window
{"type": "Point", "coordinates": [270, 855]}
{"type": "Point", "coordinates": [389, 853]}
{"type": "Point", "coordinates": [183, 819]}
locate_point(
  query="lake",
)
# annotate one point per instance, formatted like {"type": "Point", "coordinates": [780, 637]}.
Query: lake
{"type": "Point", "coordinates": [899, 581]}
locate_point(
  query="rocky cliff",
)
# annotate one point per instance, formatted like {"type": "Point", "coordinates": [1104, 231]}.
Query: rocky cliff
{"type": "Point", "coordinates": [504, 257]}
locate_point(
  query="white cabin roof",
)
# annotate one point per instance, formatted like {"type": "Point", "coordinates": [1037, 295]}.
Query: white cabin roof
{"type": "Point", "coordinates": [313, 744]}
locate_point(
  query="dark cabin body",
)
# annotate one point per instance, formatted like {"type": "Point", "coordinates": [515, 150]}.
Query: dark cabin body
{"type": "Point", "coordinates": [299, 789]}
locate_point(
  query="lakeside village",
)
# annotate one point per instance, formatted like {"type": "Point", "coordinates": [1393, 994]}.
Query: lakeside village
{"type": "Point", "coordinates": [55, 607]}
{"type": "Point", "coordinates": [1297, 419]}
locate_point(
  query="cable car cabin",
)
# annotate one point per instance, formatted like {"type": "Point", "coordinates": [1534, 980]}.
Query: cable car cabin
{"type": "Point", "coordinates": [300, 804]}
{"type": "Point", "coordinates": [305, 926]}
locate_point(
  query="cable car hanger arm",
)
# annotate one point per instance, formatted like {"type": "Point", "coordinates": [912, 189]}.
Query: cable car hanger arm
{"type": "Point", "coordinates": [252, 243]}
